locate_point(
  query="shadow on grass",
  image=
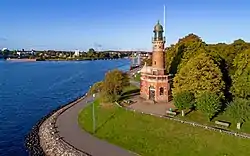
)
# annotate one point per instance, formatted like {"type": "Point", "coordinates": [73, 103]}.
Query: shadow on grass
{"type": "Point", "coordinates": [125, 97]}
{"type": "Point", "coordinates": [131, 92]}
{"type": "Point", "coordinates": [190, 110]}
{"type": "Point", "coordinates": [178, 113]}
{"type": "Point", "coordinates": [99, 127]}
{"type": "Point", "coordinates": [218, 114]}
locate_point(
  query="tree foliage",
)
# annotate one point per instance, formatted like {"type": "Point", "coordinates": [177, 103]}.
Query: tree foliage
{"type": "Point", "coordinates": [209, 103]}
{"type": "Point", "coordinates": [192, 45]}
{"type": "Point", "coordinates": [199, 75]}
{"type": "Point", "coordinates": [228, 52]}
{"type": "Point", "coordinates": [113, 84]}
{"type": "Point", "coordinates": [241, 78]}
{"type": "Point", "coordinates": [148, 61]}
{"type": "Point", "coordinates": [91, 50]}
{"type": "Point", "coordinates": [241, 84]}
{"type": "Point", "coordinates": [239, 110]}
{"type": "Point", "coordinates": [186, 48]}
{"type": "Point", "coordinates": [241, 62]}
{"type": "Point", "coordinates": [191, 50]}
{"type": "Point", "coordinates": [96, 88]}
{"type": "Point", "coordinates": [221, 69]}
{"type": "Point", "coordinates": [184, 100]}
{"type": "Point", "coordinates": [173, 57]}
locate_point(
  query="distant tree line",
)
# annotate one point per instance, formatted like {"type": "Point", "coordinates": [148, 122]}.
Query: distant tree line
{"type": "Point", "coordinates": [63, 55]}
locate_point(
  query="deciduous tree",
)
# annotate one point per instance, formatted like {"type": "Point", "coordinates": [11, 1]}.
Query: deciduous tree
{"type": "Point", "coordinates": [113, 84]}
{"type": "Point", "coordinates": [184, 100]}
{"type": "Point", "coordinates": [209, 103]}
{"type": "Point", "coordinates": [241, 84]}
{"type": "Point", "coordinates": [96, 88]}
{"type": "Point", "coordinates": [239, 110]}
{"type": "Point", "coordinates": [186, 48]}
{"type": "Point", "coordinates": [241, 78]}
{"type": "Point", "coordinates": [199, 75]}
{"type": "Point", "coordinates": [241, 62]}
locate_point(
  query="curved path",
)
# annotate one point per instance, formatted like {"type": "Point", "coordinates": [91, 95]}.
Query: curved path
{"type": "Point", "coordinates": [68, 128]}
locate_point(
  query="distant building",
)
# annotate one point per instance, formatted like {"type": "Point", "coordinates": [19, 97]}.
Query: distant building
{"type": "Point", "coordinates": [155, 83]}
{"type": "Point", "coordinates": [5, 49]}
{"type": "Point", "coordinates": [77, 53]}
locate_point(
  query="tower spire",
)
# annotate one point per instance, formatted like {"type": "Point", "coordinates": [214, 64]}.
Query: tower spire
{"type": "Point", "coordinates": [164, 20]}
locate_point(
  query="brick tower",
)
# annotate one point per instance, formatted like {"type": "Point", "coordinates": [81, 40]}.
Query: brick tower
{"type": "Point", "coordinates": [155, 83]}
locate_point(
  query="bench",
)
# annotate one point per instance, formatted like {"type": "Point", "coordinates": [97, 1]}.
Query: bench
{"type": "Point", "coordinates": [171, 113]}
{"type": "Point", "coordinates": [222, 123]}
{"type": "Point", "coordinates": [128, 101]}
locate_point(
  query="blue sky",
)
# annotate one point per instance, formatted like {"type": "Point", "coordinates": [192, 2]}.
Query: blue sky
{"type": "Point", "coordinates": [118, 24]}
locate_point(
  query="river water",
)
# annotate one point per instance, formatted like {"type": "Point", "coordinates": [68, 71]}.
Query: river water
{"type": "Point", "coordinates": [30, 90]}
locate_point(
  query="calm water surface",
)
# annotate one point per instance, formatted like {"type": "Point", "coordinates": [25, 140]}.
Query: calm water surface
{"type": "Point", "coordinates": [30, 90]}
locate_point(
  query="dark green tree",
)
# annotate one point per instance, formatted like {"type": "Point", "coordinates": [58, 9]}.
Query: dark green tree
{"type": "Point", "coordinates": [199, 75]}
{"type": "Point", "coordinates": [241, 84]}
{"type": "Point", "coordinates": [186, 48]}
{"type": "Point", "coordinates": [241, 62]}
{"type": "Point", "coordinates": [239, 110]}
{"type": "Point", "coordinates": [241, 78]}
{"type": "Point", "coordinates": [91, 53]}
{"type": "Point", "coordinates": [209, 103]}
{"type": "Point", "coordinates": [184, 100]}
{"type": "Point", "coordinates": [5, 53]}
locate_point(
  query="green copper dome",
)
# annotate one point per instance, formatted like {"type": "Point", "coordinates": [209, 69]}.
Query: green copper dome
{"type": "Point", "coordinates": [158, 27]}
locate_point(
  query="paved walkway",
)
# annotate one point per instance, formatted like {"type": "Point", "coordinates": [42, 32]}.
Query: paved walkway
{"type": "Point", "coordinates": [68, 128]}
{"type": "Point", "coordinates": [148, 106]}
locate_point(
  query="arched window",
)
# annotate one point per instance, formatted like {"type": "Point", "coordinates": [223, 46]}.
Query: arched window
{"type": "Point", "coordinates": [161, 91]}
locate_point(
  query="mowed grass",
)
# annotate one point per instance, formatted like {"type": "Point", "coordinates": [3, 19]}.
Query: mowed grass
{"type": "Point", "coordinates": [137, 77]}
{"type": "Point", "coordinates": [153, 136]}
{"type": "Point", "coordinates": [199, 117]}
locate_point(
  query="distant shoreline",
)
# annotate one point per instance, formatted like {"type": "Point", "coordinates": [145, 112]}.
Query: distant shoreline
{"type": "Point", "coordinates": [33, 60]}
{"type": "Point", "coordinates": [21, 60]}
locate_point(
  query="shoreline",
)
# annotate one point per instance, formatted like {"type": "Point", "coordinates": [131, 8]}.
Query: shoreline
{"type": "Point", "coordinates": [37, 59]}
{"type": "Point", "coordinates": [33, 143]}
{"type": "Point", "coordinates": [32, 139]}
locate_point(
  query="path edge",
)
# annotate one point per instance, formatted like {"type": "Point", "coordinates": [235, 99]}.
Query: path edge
{"type": "Point", "coordinates": [43, 139]}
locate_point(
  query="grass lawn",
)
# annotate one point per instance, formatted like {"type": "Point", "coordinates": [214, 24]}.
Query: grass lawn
{"type": "Point", "coordinates": [128, 92]}
{"type": "Point", "coordinates": [149, 136]}
{"type": "Point", "coordinates": [137, 77]}
{"type": "Point", "coordinates": [199, 117]}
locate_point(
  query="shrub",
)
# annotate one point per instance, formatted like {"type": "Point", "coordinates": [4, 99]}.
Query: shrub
{"type": "Point", "coordinates": [209, 103]}
{"type": "Point", "coordinates": [239, 109]}
{"type": "Point", "coordinates": [184, 100]}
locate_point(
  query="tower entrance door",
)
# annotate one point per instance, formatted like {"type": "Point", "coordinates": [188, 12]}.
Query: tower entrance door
{"type": "Point", "coordinates": [151, 93]}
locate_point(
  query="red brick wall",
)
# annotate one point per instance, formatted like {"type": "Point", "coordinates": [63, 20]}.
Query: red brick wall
{"type": "Point", "coordinates": [144, 91]}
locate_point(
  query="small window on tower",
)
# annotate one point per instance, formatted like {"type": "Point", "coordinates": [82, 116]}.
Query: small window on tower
{"type": "Point", "coordinates": [161, 91]}
{"type": "Point", "coordinates": [155, 62]}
